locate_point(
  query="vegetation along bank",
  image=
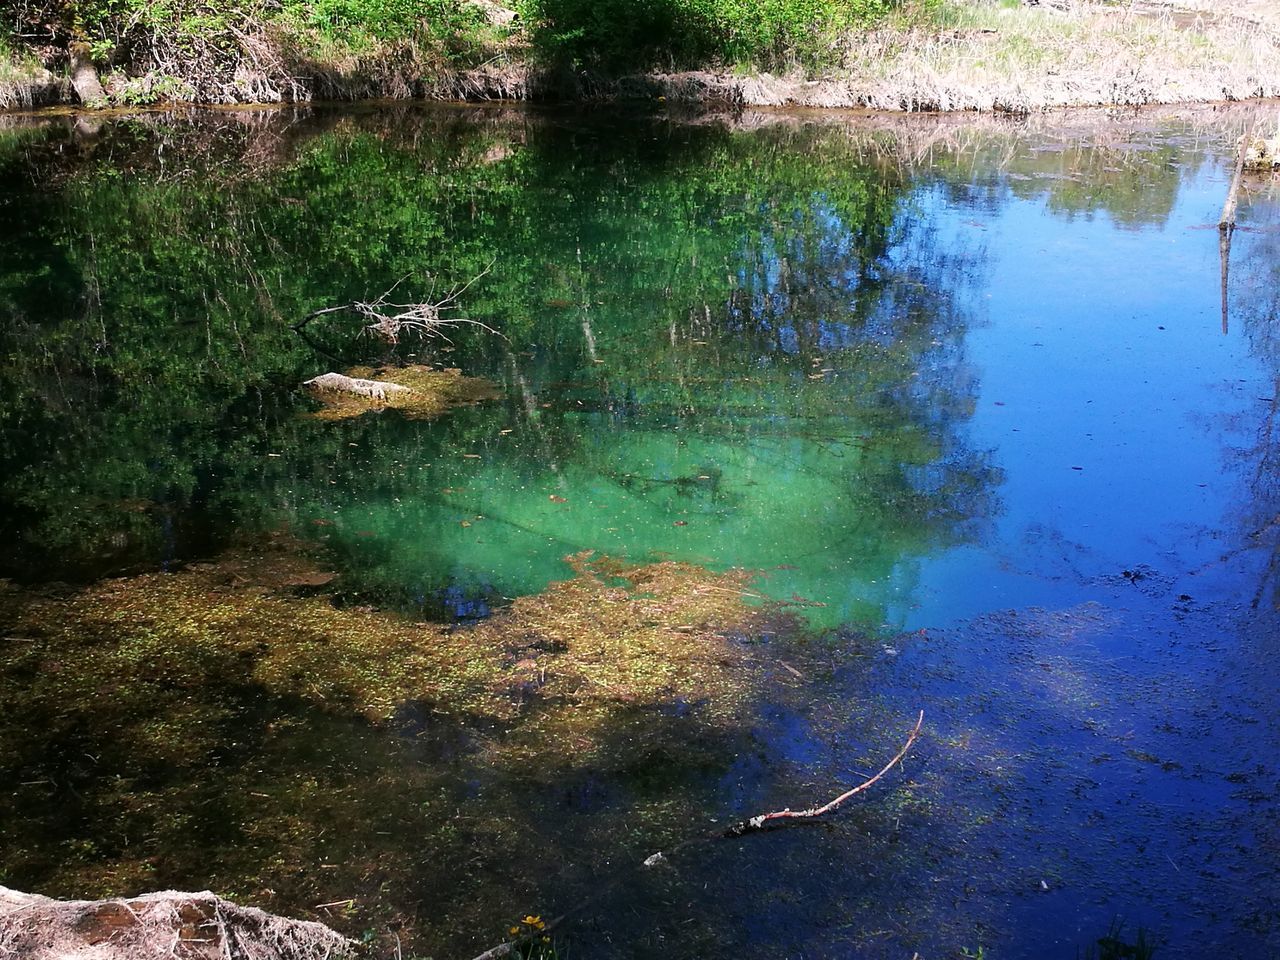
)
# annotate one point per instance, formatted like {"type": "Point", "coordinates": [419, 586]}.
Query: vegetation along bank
{"type": "Point", "coordinates": [881, 54]}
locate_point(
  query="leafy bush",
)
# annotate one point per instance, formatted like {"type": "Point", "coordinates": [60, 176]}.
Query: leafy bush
{"type": "Point", "coordinates": [613, 34]}
{"type": "Point", "coordinates": [358, 21]}
{"type": "Point", "coordinates": [109, 24]}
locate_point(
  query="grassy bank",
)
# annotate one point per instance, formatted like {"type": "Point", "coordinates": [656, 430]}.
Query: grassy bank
{"type": "Point", "coordinates": [24, 82]}
{"type": "Point", "coordinates": [883, 54]}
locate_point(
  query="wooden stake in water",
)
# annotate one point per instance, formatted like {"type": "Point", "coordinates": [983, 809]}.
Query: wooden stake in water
{"type": "Point", "coordinates": [1227, 222]}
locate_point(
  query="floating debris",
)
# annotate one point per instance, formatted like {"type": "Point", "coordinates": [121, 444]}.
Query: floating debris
{"type": "Point", "coordinates": [417, 392]}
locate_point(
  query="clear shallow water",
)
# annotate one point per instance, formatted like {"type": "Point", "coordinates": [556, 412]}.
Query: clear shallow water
{"type": "Point", "coordinates": [973, 416]}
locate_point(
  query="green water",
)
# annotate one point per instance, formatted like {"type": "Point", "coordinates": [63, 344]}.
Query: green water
{"type": "Point", "coordinates": [707, 350]}
{"type": "Point", "coordinates": [960, 397]}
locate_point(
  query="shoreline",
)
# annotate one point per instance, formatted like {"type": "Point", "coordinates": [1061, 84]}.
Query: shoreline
{"type": "Point", "coordinates": [692, 89]}
{"type": "Point", "coordinates": [927, 127]}
{"type": "Point", "coordinates": [976, 59]}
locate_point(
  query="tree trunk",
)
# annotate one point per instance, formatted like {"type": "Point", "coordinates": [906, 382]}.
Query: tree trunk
{"type": "Point", "coordinates": [84, 77]}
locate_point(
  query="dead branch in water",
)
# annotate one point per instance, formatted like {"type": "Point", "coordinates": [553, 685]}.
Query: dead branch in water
{"type": "Point", "coordinates": [759, 822]}
{"type": "Point", "coordinates": [389, 321]}
{"type": "Point", "coordinates": [763, 821]}
{"type": "Point", "coordinates": [340, 383]}
{"type": "Point", "coordinates": [1227, 222]}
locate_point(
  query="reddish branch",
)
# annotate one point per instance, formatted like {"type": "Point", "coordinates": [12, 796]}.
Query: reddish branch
{"type": "Point", "coordinates": [762, 820]}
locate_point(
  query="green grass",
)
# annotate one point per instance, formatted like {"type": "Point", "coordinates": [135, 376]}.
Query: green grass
{"type": "Point", "coordinates": [888, 54]}
{"type": "Point", "coordinates": [20, 73]}
{"type": "Point", "coordinates": [627, 34]}
{"type": "Point", "coordinates": [15, 62]}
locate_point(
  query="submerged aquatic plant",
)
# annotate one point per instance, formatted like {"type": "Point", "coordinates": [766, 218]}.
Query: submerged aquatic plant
{"type": "Point", "coordinates": [1114, 946]}
{"type": "Point", "coordinates": [228, 720]}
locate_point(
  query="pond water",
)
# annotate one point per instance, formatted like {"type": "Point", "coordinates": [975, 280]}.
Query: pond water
{"type": "Point", "coordinates": [956, 406]}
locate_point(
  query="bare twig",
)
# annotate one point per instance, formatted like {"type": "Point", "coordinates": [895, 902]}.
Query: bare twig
{"type": "Point", "coordinates": [758, 822]}
{"type": "Point", "coordinates": [778, 818]}
{"type": "Point", "coordinates": [390, 320]}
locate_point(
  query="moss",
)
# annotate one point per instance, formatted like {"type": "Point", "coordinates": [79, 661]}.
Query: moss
{"type": "Point", "coordinates": [641, 635]}
{"type": "Point", "coordinates": [431, 393]}
{"type": "Point", "coordinates": [227, 725]}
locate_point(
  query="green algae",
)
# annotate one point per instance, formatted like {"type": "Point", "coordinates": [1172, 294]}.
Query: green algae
{"type": "Point", "coordinates": [645, 634]}
{"type": "Point", "coordinates": [228, 722]}
{"type": "Point", "coordinates": [430, 394]}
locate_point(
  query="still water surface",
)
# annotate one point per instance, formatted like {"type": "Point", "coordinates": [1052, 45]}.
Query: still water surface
{"type": "Point", "coordinates": [962, 398]}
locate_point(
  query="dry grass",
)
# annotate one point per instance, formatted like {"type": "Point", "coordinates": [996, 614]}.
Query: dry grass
{"type": "Point", "coordinates": [24, 83]}
{"type": "Point", "coordinates": [975, 55]}
{"type": "Point", "coordinates": [989, 57]}
{"type": "Point", "coordinates": [1024, 59]}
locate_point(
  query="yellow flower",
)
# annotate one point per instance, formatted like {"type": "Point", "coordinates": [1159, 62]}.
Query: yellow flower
{"type": "Point", "coordinates": [513, 931]}
{"type": "Point", "coordinates": [535, 922]}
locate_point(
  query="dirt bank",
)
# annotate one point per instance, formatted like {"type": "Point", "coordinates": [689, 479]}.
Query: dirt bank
{"type": "Point", "coordinates": [974, 57]}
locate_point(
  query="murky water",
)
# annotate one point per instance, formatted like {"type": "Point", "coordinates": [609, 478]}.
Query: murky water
{"type": "Point", "coordinates": [961, 398]}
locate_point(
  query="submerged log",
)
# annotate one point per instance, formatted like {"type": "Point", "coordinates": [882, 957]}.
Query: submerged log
{"type": "Point", "coordinates": [1227, 222]}
{"type": "Point", "coordinates": [158, 926]}
{"type": "Point", "coordinates": [340, 383]}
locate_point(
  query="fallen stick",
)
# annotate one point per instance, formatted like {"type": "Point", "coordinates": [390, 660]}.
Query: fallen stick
{"type": "Point", "coordinates": [1227, 222]}
{"type": "Point", "coordinates": [758, 822]}
{"type": "Point", "coordinates": [779, 818]}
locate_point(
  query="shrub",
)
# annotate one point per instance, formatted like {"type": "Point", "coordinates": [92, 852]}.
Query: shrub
{"type": "Point", "coordinates": [357, 22]}
{"type": "Point", "coordinates": [613, 34]}
{"type": "Point", "coordinates": [108, 25]}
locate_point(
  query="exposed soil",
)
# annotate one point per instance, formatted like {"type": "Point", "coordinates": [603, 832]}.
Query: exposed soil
{"type": "Point", "coordinates": [1075, 54]}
